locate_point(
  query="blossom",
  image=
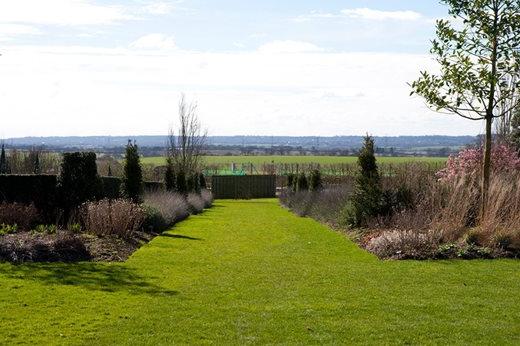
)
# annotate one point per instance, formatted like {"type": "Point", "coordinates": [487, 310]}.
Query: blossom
{"type": "Point", "coordinates": [470, 161]}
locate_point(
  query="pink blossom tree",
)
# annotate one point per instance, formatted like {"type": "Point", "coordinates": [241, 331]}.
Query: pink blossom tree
{"type": "Point", "coordinates": [468, 162]}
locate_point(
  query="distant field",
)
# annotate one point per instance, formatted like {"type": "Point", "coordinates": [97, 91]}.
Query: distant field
{"type": "Point", "coordinates": [258, 160]}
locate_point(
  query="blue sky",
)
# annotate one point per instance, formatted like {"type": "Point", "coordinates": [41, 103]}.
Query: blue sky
{"type": "Point", "coordinates": [84, 67]}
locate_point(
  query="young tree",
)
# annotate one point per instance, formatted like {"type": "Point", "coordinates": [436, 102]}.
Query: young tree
{"type": "Point", "coordinates": [366, 200]}
{"type": "Point", "coordinates": [133, 174]}
{"type": "Point", "coordinates": [478, 63]}
{"type": "Point", "coordinates": [185, 144]}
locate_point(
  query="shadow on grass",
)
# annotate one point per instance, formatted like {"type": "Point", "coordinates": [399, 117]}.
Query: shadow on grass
{"type": "Point", "coordinates": [88, 275]}
{"type": "Point", "coordinates": [179, 236]}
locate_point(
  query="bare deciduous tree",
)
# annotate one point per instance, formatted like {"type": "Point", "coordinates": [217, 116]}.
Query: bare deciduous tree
{"type": "Point", "coordinates": [186, 143]}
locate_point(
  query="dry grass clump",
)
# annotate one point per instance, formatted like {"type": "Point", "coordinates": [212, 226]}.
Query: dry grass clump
{"type": "Point", "coordinates": [172, 207]}
{"type": "Point", "coordinates": [24, 216]}
{"type": "Point", "coordinates": [196, 203]}
{"type": "Point", "coordinates": [113, 217]}
{"type": "Point", "coordinates": [406, 244]}
{"type": "Point", "coordinates": [326, 205]}
{"type": "Point", "coordinates": [207, 197]}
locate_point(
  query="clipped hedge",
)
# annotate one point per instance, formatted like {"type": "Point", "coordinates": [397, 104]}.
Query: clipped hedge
{"type": "Point", "coordinates": [39, 190]}
{"type": "Point", "coordinates": [42, 190]}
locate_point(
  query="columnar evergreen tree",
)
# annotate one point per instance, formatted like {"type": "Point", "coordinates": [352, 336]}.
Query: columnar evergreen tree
{"type": "Point", "coordinates": [169, 176]}
{"type": "Point", "coordinates": [133, 174]}
{"type": "Point", "coordinates": [366, 200]}
{"type": "Point", "coordinates": [36, 163]}
{"type": "Point", "coordinates": [4, 165]}
{"type": "Point", "coordinates": [109, 173]}
{"type": "Point", "coordinates": [180, 183]}
{"type": "Point", "coordinates": [315, 181]}
{"type": "Point", "coordinates": [302, 184]}
{"type": "Point", "coordinates": [202, 181]}
{"type": "Point", "coordinates": [480, 66]}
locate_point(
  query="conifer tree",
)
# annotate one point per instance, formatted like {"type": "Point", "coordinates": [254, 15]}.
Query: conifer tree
{"type": "Point", "coordinates": [133, 174]}
{"type": "Point", "coordinates": [366, 200]}
{"type": "Point", "coordinates": [169, 176]}
{"type": "Point", "coordinates": [315, 183]}
{"type": "Point", "coordinates": [4, 165]}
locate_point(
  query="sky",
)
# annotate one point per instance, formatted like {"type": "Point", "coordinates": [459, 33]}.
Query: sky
{"type": "Point", "coordinates": [269, 67]}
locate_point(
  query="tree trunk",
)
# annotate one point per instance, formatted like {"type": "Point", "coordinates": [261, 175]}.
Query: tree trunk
{"type": "Point", "coordinates": [486, 171]}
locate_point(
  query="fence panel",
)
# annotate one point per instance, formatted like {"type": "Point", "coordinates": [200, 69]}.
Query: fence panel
{"type": "Point", "coordinates": [243, 187]}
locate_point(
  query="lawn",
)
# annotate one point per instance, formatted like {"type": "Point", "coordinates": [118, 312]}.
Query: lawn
{"type": "Point", "coordinates": [258, 160]}
{"type": "Point", "coordinates": [252, 272]}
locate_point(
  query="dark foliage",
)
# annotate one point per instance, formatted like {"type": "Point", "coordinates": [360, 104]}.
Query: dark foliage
{"type": "Point", "coordinates": [4, 166]}
{"type": "Point", "coordinates": [290, 180]}
{"type": "Point", "coordinates": [169, 177]}
{"type": "Point", "coordinates": [39, 190]}
{"type": "Point", "coordinates": [302, 183]}
{"type": "Point", "coordinates": [180, 183]}
{"type": "Point", "coordinates": [315, 181]}
{"type": "Point", "coordinates": [366, 201]}
{"type": "Point", "coordinates": [202, 181]}
{"type": "Point", "coordinates": [78, 181]}
{"type": "Point", "coordinates": [132, 173]}
{"type": "Point", "coordinates": [111, 187]}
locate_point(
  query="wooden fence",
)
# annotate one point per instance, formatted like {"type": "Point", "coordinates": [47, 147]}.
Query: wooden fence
{"type": "Point", "coordinates": [243, 187]}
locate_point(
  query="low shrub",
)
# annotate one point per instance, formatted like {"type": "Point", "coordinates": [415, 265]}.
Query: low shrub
{"type": "Point", "coordinates": [46, 229]}
{"type": "Point", "coordinates": [118, 217]}
{"type": "Point", "coordinates": [405, 244]}
{"type": "Point", "coordinates": [170, 206]}
{"type": "Point", "coordinates": [23, 216]}
{"type": "Point", "coordinates": [195, 203]}
{"type": "Point", "coordinates": [8, 229]}
{"type": "Point", "coordinates": [27, 247]}
{"type": "Point", "coordinates": [207, 197]}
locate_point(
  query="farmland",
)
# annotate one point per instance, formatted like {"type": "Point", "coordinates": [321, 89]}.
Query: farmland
{"type": "Point", "coordinates": [277, 159]}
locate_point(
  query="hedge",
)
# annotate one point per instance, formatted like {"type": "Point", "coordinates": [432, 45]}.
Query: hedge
{"type": "Point", "coordinates": [42, 190]}
{"type": "Point", "coordinates": [38, 189]}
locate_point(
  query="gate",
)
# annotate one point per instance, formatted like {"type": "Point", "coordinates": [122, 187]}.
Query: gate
{"type": "Point", "coordinates": [243, 187]}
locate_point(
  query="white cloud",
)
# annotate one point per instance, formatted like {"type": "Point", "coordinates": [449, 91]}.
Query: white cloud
{"type": "Point", "coordinates": [289, 47]}
{"type": "Point", "coordinates": [61, 12]}
{"type": "Point", "coordinates": [154, 42]}
{"type": "Point", "coordinates": [364, 14]}
{"type": "Point", "coordinates": [9, 31]}
{"type": "Point", "coordinates": [82, 90]}
{"type": "Point", "coordinates": [370, 14]}
{"type": "Point", "coordinates": [159, 8]}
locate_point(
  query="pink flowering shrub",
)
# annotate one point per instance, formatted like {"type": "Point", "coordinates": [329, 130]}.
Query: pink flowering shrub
{"type": "Point", "coordinates": [470, 161]}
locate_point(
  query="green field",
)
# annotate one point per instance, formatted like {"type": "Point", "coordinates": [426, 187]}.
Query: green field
{"type": "Point", "coordinates": [253, 273]}
{"type": "Point", "coordinates": [258, 160]}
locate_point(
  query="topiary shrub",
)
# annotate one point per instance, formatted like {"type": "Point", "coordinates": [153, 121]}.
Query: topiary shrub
{"type": "Point", "coordinates": [78, 181]}
{"type": "Point", "coordinates": [132, 173]}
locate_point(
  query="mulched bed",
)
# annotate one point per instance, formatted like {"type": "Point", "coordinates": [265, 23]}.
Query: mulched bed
{"type": "Point", "coordinates": [65, 246]}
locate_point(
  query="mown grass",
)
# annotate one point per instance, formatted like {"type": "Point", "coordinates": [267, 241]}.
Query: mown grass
{"type": "Point", "coordinates": [323, 160]}
{"type": "Point", "coordinates": [250, 272]}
